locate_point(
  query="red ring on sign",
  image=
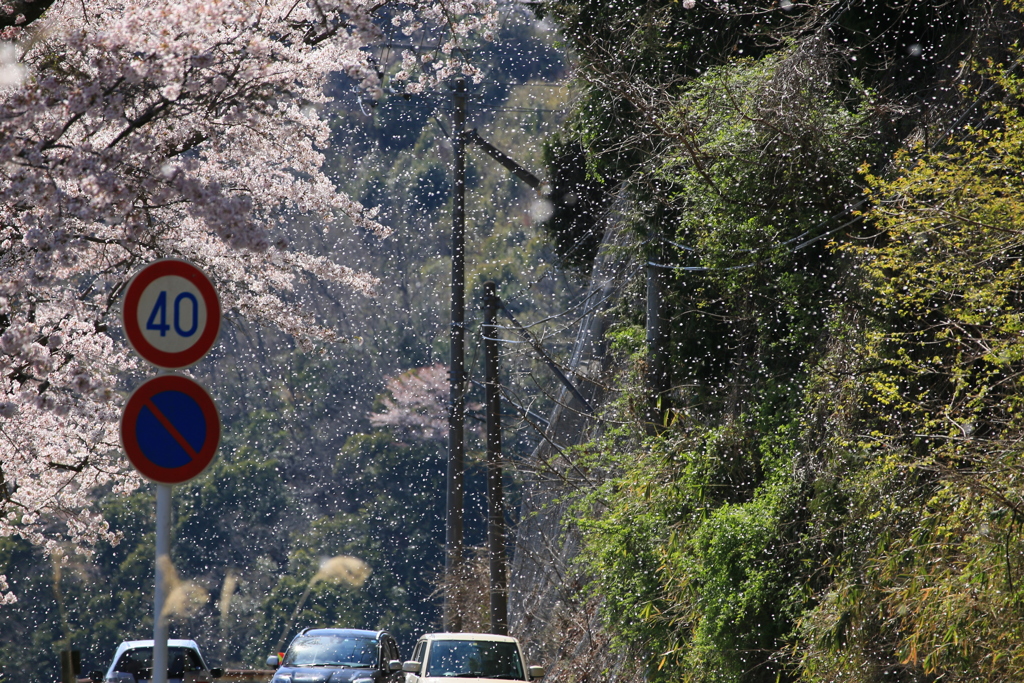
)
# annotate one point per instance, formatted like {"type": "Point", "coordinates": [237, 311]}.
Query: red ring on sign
{"type": "Point", "coordinates": [129, 313]}
{"type": "Point", "coordinates": [129, 425]}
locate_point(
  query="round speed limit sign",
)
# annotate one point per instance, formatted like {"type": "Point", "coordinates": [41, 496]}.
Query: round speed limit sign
{"type": "Point", "coordinates": [171, 313]}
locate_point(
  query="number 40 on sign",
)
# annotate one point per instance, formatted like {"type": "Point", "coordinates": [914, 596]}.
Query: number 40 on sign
{"type": "Point", "coordinates": [158, 317]}
{"type": "Point", "coordinates": [171, 313]}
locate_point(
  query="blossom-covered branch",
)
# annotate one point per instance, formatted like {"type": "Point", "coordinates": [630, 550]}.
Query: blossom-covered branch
{"type": "Point", "coordinates": [131, 131]}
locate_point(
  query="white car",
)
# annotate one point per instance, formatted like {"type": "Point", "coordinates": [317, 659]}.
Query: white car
{"type": "Point", "coordinates": [470, 657]}
{"type": "Point", "coordinates": [133, 663]}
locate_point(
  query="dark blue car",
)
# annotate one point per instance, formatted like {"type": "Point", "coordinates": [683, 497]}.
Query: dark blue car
{"type": "Point", "coordinates": [339, 655]}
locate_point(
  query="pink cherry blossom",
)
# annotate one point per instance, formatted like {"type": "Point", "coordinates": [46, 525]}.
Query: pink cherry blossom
{"type": "Point", "coordinates": [165, 128]}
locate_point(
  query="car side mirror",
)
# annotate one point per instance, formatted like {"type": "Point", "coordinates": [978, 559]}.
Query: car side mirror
{"type": "Point", "coordinates": [216, 673]}
{"type": "Point", "coordinates": [394, 665]}
{"type": "Point", "coordinates": [96, 676]}
{"type": "Point", "coordinates": [411, 667]}
{"type": "Point", "coordinates": [273, 661]}
{"type": "Point", "coordinates": [537, 672]}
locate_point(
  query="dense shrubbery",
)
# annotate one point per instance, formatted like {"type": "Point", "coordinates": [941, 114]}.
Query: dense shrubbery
{"type": "Point", "coordinates": [942, 360]}
{"type": "Point", "coordinates": [837, 495]}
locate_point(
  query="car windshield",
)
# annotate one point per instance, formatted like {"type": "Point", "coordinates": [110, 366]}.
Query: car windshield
{"type": "Point", "coordinates": [332, 650]}
{"type": "Point", "coordinates": [179, 660]}
{"type": "Point", "coordinates": [475, 659]}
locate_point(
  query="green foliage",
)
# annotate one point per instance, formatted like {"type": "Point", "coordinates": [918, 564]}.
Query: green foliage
{"type": "Point", "coordinates": [764, 152]}
{"type": "Point", "coordinates": [796, 520]}
{"type": "Point", "coordinates": [37, 623]}
{"type": "Point", "coordinates": [934, 588]}
{"type": "Point", "coordinates": [769, 152]}
{"type": "Point", "coordinates": [247, 495]}
{"type": "Point", "coordinates": [74, 606]}
{"type": "Point", "coordinates": [637, 55]}
{"type": "Point", "coordinates": [388, 514]}
{"type": "Point", "coordinates": [698, 573]}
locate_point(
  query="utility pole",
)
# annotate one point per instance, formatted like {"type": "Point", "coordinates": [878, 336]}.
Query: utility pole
{"type": "Point", "coordinates": [455, 484]}
{"type": "Point", "coordinates": [495, 494]}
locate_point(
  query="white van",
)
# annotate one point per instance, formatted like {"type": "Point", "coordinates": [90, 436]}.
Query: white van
{"type": "Point", "coordinates": [470, 657]}
{"type": "Point", "coordinates": [133, 663]}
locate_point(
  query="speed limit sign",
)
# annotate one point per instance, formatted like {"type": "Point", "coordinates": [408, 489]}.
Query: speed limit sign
{"type": "Point", "coordinates": [171, 313]}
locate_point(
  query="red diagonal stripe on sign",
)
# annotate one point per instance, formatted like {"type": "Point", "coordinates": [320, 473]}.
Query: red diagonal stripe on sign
{"type": "Point", "coordinates": [171, 429]}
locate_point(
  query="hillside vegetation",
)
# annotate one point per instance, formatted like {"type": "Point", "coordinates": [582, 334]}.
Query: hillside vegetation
{"type": "Point", "coordinates": [824, 481]}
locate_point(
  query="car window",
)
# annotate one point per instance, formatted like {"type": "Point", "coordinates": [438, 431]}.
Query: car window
{"type": "Point", "coordinates": [332, 650]}
{"type": "Point", "coordinates": [133, 661]}
{"type": "Point", "coordinates": [179, 660]}
{"type": "Point", "coordinates": [194, 663]}
{"type": "Point", "coordinates": [417, 653]}
{"type": "Point", "coordinates": [475, 659]}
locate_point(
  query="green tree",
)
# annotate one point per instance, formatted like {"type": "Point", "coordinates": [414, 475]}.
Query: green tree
{"type": "Point", "coordinates": [717, 548]}
{"type": "Point", "coordinates": [934, 587]}
{"type": "Point", "coordinates": [386, 512]}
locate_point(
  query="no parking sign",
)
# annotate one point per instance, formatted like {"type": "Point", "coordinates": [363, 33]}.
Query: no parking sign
{"type": "Point", "coordinates": [170, 429]}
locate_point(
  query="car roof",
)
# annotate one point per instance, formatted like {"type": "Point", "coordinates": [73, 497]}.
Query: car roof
{"type": "Point", "coordinates": [171, 642]}
{"type": "Point", "coordinates": [356, 632]}
{"type": "Point", "coordinates": [469, 636]}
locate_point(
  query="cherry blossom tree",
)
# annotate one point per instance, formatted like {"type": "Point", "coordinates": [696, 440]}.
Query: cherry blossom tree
{"type": "Point", "coordinates": [418, 404]}
{"type": "Point", "coordinates": [134, 130]}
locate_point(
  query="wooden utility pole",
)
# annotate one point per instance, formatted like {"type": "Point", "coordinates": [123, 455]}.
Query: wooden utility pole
{"type": "Point", "coordinates": [455, 483]}
{"type": "Point", "coordinates": [495, 493]}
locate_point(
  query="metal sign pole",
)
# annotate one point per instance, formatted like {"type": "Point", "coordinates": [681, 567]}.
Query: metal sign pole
{"type": "Point", "coordinates": [163, 557]}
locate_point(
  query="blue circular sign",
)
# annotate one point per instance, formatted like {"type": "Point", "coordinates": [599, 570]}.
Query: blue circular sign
{"type": "Point", "coordinates": [170, 429]}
